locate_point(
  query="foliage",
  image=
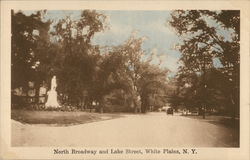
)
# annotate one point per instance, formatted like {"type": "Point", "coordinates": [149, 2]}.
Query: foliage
{"type": "Point", "coordinates": [85, 75]}
{"type": "Point", "coordinates": [28, 35]}
{"type": "Point", "coordinates": [77, 60]}
{"type": "Point", "coordinates": [203, 41]}
{"type": "Point", "coordinates": [122, 68]}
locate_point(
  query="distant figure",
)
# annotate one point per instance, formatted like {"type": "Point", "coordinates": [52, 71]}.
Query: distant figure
{"type": "Point", "coordinates": [52, 95]}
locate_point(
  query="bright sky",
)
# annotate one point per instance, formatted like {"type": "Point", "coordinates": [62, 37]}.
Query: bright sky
{"type": "Point", "coordinates": [160, 38]}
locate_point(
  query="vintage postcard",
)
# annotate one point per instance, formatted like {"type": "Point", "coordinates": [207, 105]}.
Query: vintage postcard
{"type": "Point", "coordinates": [125, 80]}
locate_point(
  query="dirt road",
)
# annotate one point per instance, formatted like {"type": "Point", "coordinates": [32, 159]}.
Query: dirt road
{"type": "Point", "coordinates": [150, 130]}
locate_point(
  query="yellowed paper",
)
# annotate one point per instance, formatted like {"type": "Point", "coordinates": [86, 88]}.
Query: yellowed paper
{"type": "Point", "coordinates": [8, 151]}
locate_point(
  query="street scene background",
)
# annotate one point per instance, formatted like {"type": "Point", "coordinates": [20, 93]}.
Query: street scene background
{"type": "Point", "coordinates": [125, 78]}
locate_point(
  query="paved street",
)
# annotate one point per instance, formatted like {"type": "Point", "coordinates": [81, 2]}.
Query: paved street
{"type": "Point", "coordinates": [150, 130]}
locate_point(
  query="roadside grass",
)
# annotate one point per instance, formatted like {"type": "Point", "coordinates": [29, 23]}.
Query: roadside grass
{"type": "Point", "coordinates": [59, 118]}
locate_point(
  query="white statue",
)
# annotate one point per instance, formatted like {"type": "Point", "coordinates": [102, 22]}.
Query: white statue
{"type": "Point", "coordinates": [52, 95]}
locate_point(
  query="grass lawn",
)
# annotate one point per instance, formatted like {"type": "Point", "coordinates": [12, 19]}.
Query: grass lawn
{"type": "Point", "coordinates": [59, 118]}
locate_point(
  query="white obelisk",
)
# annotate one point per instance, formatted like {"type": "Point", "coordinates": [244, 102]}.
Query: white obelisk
{"type": "Point", "coordinates": [52, 95]}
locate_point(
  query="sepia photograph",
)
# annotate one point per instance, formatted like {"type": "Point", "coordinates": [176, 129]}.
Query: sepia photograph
{"type": "Point", "coordinates": [102, 82]}
{"type": "Point", "coordinates": [130, 78]}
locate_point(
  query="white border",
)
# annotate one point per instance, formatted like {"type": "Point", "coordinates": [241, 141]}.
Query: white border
{"type": "Point", "coordinates": [8, 152]}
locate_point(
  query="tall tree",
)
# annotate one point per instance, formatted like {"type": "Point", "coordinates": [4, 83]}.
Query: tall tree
{"type": "Point", "coordinates": [152, 82]}
{"type": "Point", "coordinates": [122, 67]}
{"type": "Point", "coordinates": [27, 33]}
{"type": "Point", "coordinates": [203, 41]}
{"type": "Point", "coordinates": [141, 78]}
{"type": "Point", "coordinates": [77, 60]}
{"type": "Point", "coordinates": [76, 63]}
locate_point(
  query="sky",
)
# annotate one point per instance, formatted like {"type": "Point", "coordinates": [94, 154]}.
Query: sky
{"type": "Point", "coordinates": [160, 38]}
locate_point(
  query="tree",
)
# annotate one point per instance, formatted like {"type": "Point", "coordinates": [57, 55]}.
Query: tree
{"type": "Point", "coordinates": [132, 52]}
{"type": "Point", "coordinates": [84, 74]}
{"type": "Point", "coordinates": [152, 82]}
{"type": "Point", "coordinates": [77, 58]}
{"type": "Point", "coordinates": [203, 42]}
{"type": "Point", "coordinates": [122, 68]}
{"type": "Point", "coordinates": [27, 33]}
{"type": "Point", "coordinates": [111, 76]}
{"type": "Point", "coordinates": [144, 79]}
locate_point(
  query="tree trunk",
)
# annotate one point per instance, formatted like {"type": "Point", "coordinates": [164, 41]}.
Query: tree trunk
{"type": "Point", "coordinates": [233, 107]}
{"type": "Point", "coordinates": [101, 105]}
{"type": "Point", "coordinates": [204, 112]}
{"type": "Point", "coordinates": [144, 103]}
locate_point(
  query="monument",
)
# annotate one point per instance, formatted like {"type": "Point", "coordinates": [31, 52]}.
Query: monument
{"type": "Point", "coordinates": [52, 95]}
